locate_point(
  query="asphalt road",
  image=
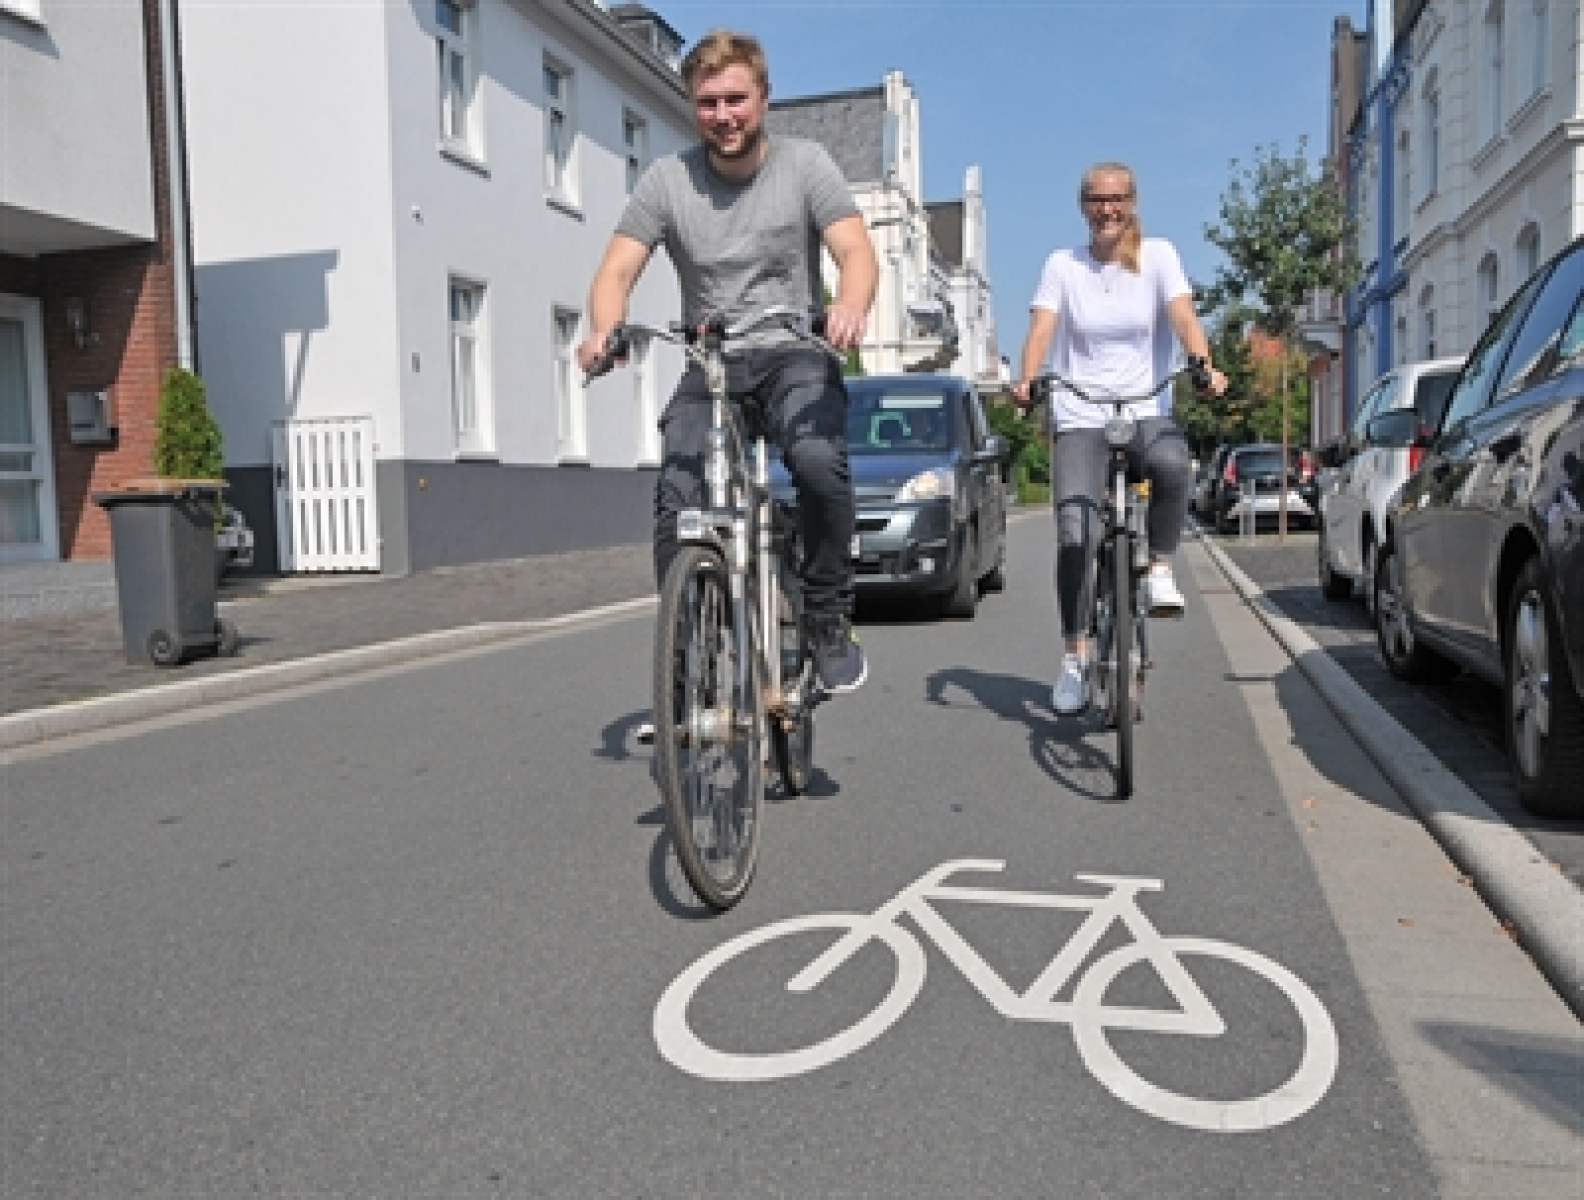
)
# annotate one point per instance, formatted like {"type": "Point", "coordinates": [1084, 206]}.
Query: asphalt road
{"type": "Point", "coordinates": [409, 933]}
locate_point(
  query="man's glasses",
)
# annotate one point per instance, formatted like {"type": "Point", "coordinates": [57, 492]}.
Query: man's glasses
{"type": "Point", "coordinates": [1098, 201]}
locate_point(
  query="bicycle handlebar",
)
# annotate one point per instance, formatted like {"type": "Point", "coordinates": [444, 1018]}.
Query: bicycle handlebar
{"type": "Point", "coordinates": [714, 333]}
{"type": "Point", "coordinates": [1041, 386]}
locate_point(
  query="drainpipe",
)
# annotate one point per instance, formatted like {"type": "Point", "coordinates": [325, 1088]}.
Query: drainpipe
{"type": "Point", "coordinates": [176, 174]}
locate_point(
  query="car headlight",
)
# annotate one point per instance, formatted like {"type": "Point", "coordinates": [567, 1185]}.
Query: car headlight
{"type": "Point", "coordinates": [937, 483]}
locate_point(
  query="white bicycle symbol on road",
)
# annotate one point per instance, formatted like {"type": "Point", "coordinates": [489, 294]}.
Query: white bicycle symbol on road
{"type": "Point", "coordinates": [1087, 1012]}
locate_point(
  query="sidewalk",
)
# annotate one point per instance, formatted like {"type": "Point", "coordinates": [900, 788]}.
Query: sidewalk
{"type": "Point", "coordinates": [60, 634]}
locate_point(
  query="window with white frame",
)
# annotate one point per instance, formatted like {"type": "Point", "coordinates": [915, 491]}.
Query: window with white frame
{"type": "Point", "coordinates": [1493, 68]}
{"type": "Point", "coordinates": [1427, 323]}
{"type": "Point", "coordinates": [470, 401]}
{"type": "Point", "coordinates": [1488, 278]}
{"type": "Point", "coordinates": [1430, 152]}
{"type": "Point", "coordinates": [635, 147]}
{"type": "Point", "coordinates": [1536, 46]}
{"type": "Point", "coordinates": [1402, 338]}
{"type": "Point", "coordinates": [1528, 247]}
{"type": "Point", "coordinates": [559, 131]}
{"type": "Point", "coordinates": [641, 361]}
{"type": "Point", "coordinates": [454, 37]}
{"type": "Point", "coordinates": [571, 424]}
{"type": "Point", "coordinates": [1405, 184]}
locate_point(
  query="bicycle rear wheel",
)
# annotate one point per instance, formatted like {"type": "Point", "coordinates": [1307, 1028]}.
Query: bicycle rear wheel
{"type": "Point", "coordinates": [710, 730]}
{"type": "Point", "coordinates": [1123, 683]}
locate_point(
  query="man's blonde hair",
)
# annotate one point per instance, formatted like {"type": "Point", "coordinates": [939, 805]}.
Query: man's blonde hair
{"type": "Point", "coordinates": [1133, 236]}
{"type": "Point", "coordinates": [721, 48]}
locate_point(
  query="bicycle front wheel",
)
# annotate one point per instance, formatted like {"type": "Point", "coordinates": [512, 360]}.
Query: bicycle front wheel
{"type": "Point", "coordinates": [1122, 674]}
{"type": "Point", "coordinates": [710, 729]}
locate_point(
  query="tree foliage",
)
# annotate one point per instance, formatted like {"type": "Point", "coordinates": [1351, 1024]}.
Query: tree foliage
{"type": "Point", "coordinates": [1286, 234]}
{"type": "Point", "coordinates": [187, 436]}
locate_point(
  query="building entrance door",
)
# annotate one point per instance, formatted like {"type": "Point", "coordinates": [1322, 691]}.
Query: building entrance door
{"type": "Point", "coordinates": [27, 494]}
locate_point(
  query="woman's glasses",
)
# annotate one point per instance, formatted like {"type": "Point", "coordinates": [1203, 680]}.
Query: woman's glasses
{"type": "Point", "coordinates": [1100, 201]}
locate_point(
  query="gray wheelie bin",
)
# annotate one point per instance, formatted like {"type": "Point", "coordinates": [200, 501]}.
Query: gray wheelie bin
{"type": "Point", "coordinates": [162, 533]}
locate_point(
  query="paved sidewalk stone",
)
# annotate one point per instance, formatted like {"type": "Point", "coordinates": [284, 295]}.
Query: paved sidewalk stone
{"type": "Point", "coordinates": [58, 657]}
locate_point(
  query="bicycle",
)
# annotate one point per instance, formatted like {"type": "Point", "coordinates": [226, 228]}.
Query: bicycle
{"type": "Point", "coordinates": [1191, 1014]}
{"type": "Point", "coordinates": [728, 694]}
{"type": "Point", "coordinates": [1117, 628]}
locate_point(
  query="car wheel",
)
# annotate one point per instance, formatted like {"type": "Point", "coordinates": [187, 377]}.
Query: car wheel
{"type": "Point", "coordinates": [1405, 657]}
{"type": "Point", "coordinates": [1332, 585]}
{"type": "Point", "coordinates": [1369, 577]}
{"type": "Point", "coordinates": [1544, 715]}
{"type": "Point", "coordinates": [996, 580]}
{"type": "Point", "coordinates": [963, 599]}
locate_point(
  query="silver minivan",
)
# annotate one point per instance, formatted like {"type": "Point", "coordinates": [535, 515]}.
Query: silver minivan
{"type": "Point", "coordinates": [1359, 479]}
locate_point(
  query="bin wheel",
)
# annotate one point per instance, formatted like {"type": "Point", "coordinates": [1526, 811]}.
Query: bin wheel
{"type": "Point", "coordinates": [164, 650]}
{"type": "Point", "coordinates": [226, 639]}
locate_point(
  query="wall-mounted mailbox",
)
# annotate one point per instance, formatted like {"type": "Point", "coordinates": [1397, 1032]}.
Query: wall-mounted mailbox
{"type": "Point", "coordinates": [89, 419]}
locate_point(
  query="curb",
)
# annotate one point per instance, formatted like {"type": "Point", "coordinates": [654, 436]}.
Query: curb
{"type": "Point", "coordinates": [1544, 908]}
{"type": "Point", "coordinates": [122, 708]}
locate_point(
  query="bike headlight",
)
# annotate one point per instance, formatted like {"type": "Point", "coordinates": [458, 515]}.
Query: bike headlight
{"type": "Point", "coordinates": [937, 483]}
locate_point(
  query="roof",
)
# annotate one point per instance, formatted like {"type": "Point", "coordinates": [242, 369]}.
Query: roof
{"type": "Point", "coordinates": [850, 125]}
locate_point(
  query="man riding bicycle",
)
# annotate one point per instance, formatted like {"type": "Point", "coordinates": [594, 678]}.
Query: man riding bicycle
{"type": "Point", "coordinates": [742, 217]}
{"type": "Point", "coordinates": [1111, 308]}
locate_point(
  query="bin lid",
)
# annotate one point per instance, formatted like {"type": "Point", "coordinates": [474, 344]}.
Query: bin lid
{"type": "Point", "coordinates": [153, 488]}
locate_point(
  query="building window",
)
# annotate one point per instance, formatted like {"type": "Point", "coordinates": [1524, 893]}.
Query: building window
{"type": "Point", "coordinates": [455, 20]}
{"type": "Point", "coordinates": [1495, 20]}
{"type": "Point", "coordinates": [1528, 251]}
{"type": "Point", "coordinates": [1489, 278]}
{"type": "Point", "coordinates": [1427, 324]}
{"type": "Point", "coordinates": [1404, 189]}
{"type": "Point", "coordinates": [1401, 334]}
{"type": "Point", "coordinates": [1535, 47]}
{"type": "Point", "coordinates": [469, 382]}
{"type": "Point", "coordinates": [1431, 153]}
{"type": "Point", "coordinates": [559, 131]}
{"type": "Point", "coordinates": [635, 145]}
{"type": "Point", "coordinates": [571, 427]}
{"type": "Point", "coordinates": [641, 362]}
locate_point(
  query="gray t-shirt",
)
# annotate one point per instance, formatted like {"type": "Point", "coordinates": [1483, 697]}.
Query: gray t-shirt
{"type": "Point", "coordinates": [741, 247]}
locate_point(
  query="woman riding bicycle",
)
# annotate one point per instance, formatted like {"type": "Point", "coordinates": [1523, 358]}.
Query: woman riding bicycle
{"type": "Point", "coordinates": [1114, 309]}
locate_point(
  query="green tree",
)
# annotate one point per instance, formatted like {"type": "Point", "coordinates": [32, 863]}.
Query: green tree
{"type": "Point", "coordinates": [187, 437]}
{"type": "Point", "coordinates": [1286, 234]}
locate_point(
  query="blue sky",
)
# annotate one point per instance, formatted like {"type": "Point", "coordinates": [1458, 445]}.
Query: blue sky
{"type": "Point", "coordinates": [1036, 90]}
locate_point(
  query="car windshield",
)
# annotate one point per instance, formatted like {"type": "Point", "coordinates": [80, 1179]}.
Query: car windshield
{"type": "Point", "coordinates": [1261, 462]}
{"type": "Point", "coordinates": [901, 420]}
{"type": "Point", "coordinates": [1430, 397]}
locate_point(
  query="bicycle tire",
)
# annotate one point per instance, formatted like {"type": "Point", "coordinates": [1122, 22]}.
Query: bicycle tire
{"type": "Point", "coordinates": [709, 736]}
{"type": "Point", "coordinates": [1123, 683]}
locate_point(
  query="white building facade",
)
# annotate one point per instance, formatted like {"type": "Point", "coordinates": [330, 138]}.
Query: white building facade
{"type": "Point", "coordinates": [1466, 164]}
{"type": "Point", "coordinates": [396, 216]}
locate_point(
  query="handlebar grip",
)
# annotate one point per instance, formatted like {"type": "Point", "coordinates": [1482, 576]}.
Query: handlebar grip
{"type": "Point", "coordinates": [1199, 372]}
{"type": "Point", "coordinates": [616, 347]}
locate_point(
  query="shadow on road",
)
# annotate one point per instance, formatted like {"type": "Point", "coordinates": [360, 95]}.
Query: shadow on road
{"type": "Point", "coordinates": [1062, 747]}
{"type": "Point", "coordinates": [1544, 1074]}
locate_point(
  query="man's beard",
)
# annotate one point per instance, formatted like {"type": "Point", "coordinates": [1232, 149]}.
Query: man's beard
{"type": "Point", "coordinates": [751, 141]}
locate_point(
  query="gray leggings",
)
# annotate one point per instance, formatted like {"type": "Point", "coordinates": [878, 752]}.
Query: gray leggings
{"type": "Point", "coordinates": [1080, 466]}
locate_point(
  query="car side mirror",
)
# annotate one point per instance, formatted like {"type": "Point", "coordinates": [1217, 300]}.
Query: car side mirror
{"type": "Point", "coordinates": [1394, 430]}
{"type": "Point", "coordinates": [996, 449]}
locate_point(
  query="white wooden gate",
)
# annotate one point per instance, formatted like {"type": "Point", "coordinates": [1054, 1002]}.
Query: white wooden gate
{"type": "Point", "coordinates": [325, 515]}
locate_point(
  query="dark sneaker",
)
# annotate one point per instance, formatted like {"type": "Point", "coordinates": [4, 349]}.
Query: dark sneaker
{"type": "Point", "coordinates": [838, 658]}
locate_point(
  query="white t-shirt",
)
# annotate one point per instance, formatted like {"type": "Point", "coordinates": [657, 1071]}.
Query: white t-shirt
{"type": "Point", "coordinates": [1112, 335]}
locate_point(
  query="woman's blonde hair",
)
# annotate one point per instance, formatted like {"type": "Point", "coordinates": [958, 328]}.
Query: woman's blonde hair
{"type": "Point", "coordinates": [721, 48]}
{"type": "Point", "coordinates": [1133, 235]}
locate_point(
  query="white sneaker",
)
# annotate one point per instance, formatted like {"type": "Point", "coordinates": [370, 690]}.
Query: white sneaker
{"type": "Point", "coordinates": [645, 733]}
{"type": "Point", "coordinates": [1071, 693]}
{"type": "Point", "coordinates": [1160, 595]}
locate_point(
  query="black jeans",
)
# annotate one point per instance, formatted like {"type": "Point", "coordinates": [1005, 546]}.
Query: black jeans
{"type": "Point", "coordinates": [1080, 475]}
{"type": "Point", "coordinates": [805, 408]}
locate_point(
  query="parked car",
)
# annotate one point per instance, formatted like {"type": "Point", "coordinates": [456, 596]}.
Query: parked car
{"type": "Point", "coordinates": [1483, 564]}
{"type": "Point", "coordinates": [927, 472]}
{"type": "Point", "coordinates": [233, 542]}
{"type": "Point", "coordinates": [1359, 479]}
{"type": "Point", "coordinates": [1203, 499]}
{"type": "Point", "coordinates": [1257, 467]}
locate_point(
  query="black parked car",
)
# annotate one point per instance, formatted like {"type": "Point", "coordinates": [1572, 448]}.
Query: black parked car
{"type": "Point", "coordinates": [1258, 467]}
{"type": "Point", "coordinates": [931, 498]}
{"type": "Point", "coordinates": [1484, 564]}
